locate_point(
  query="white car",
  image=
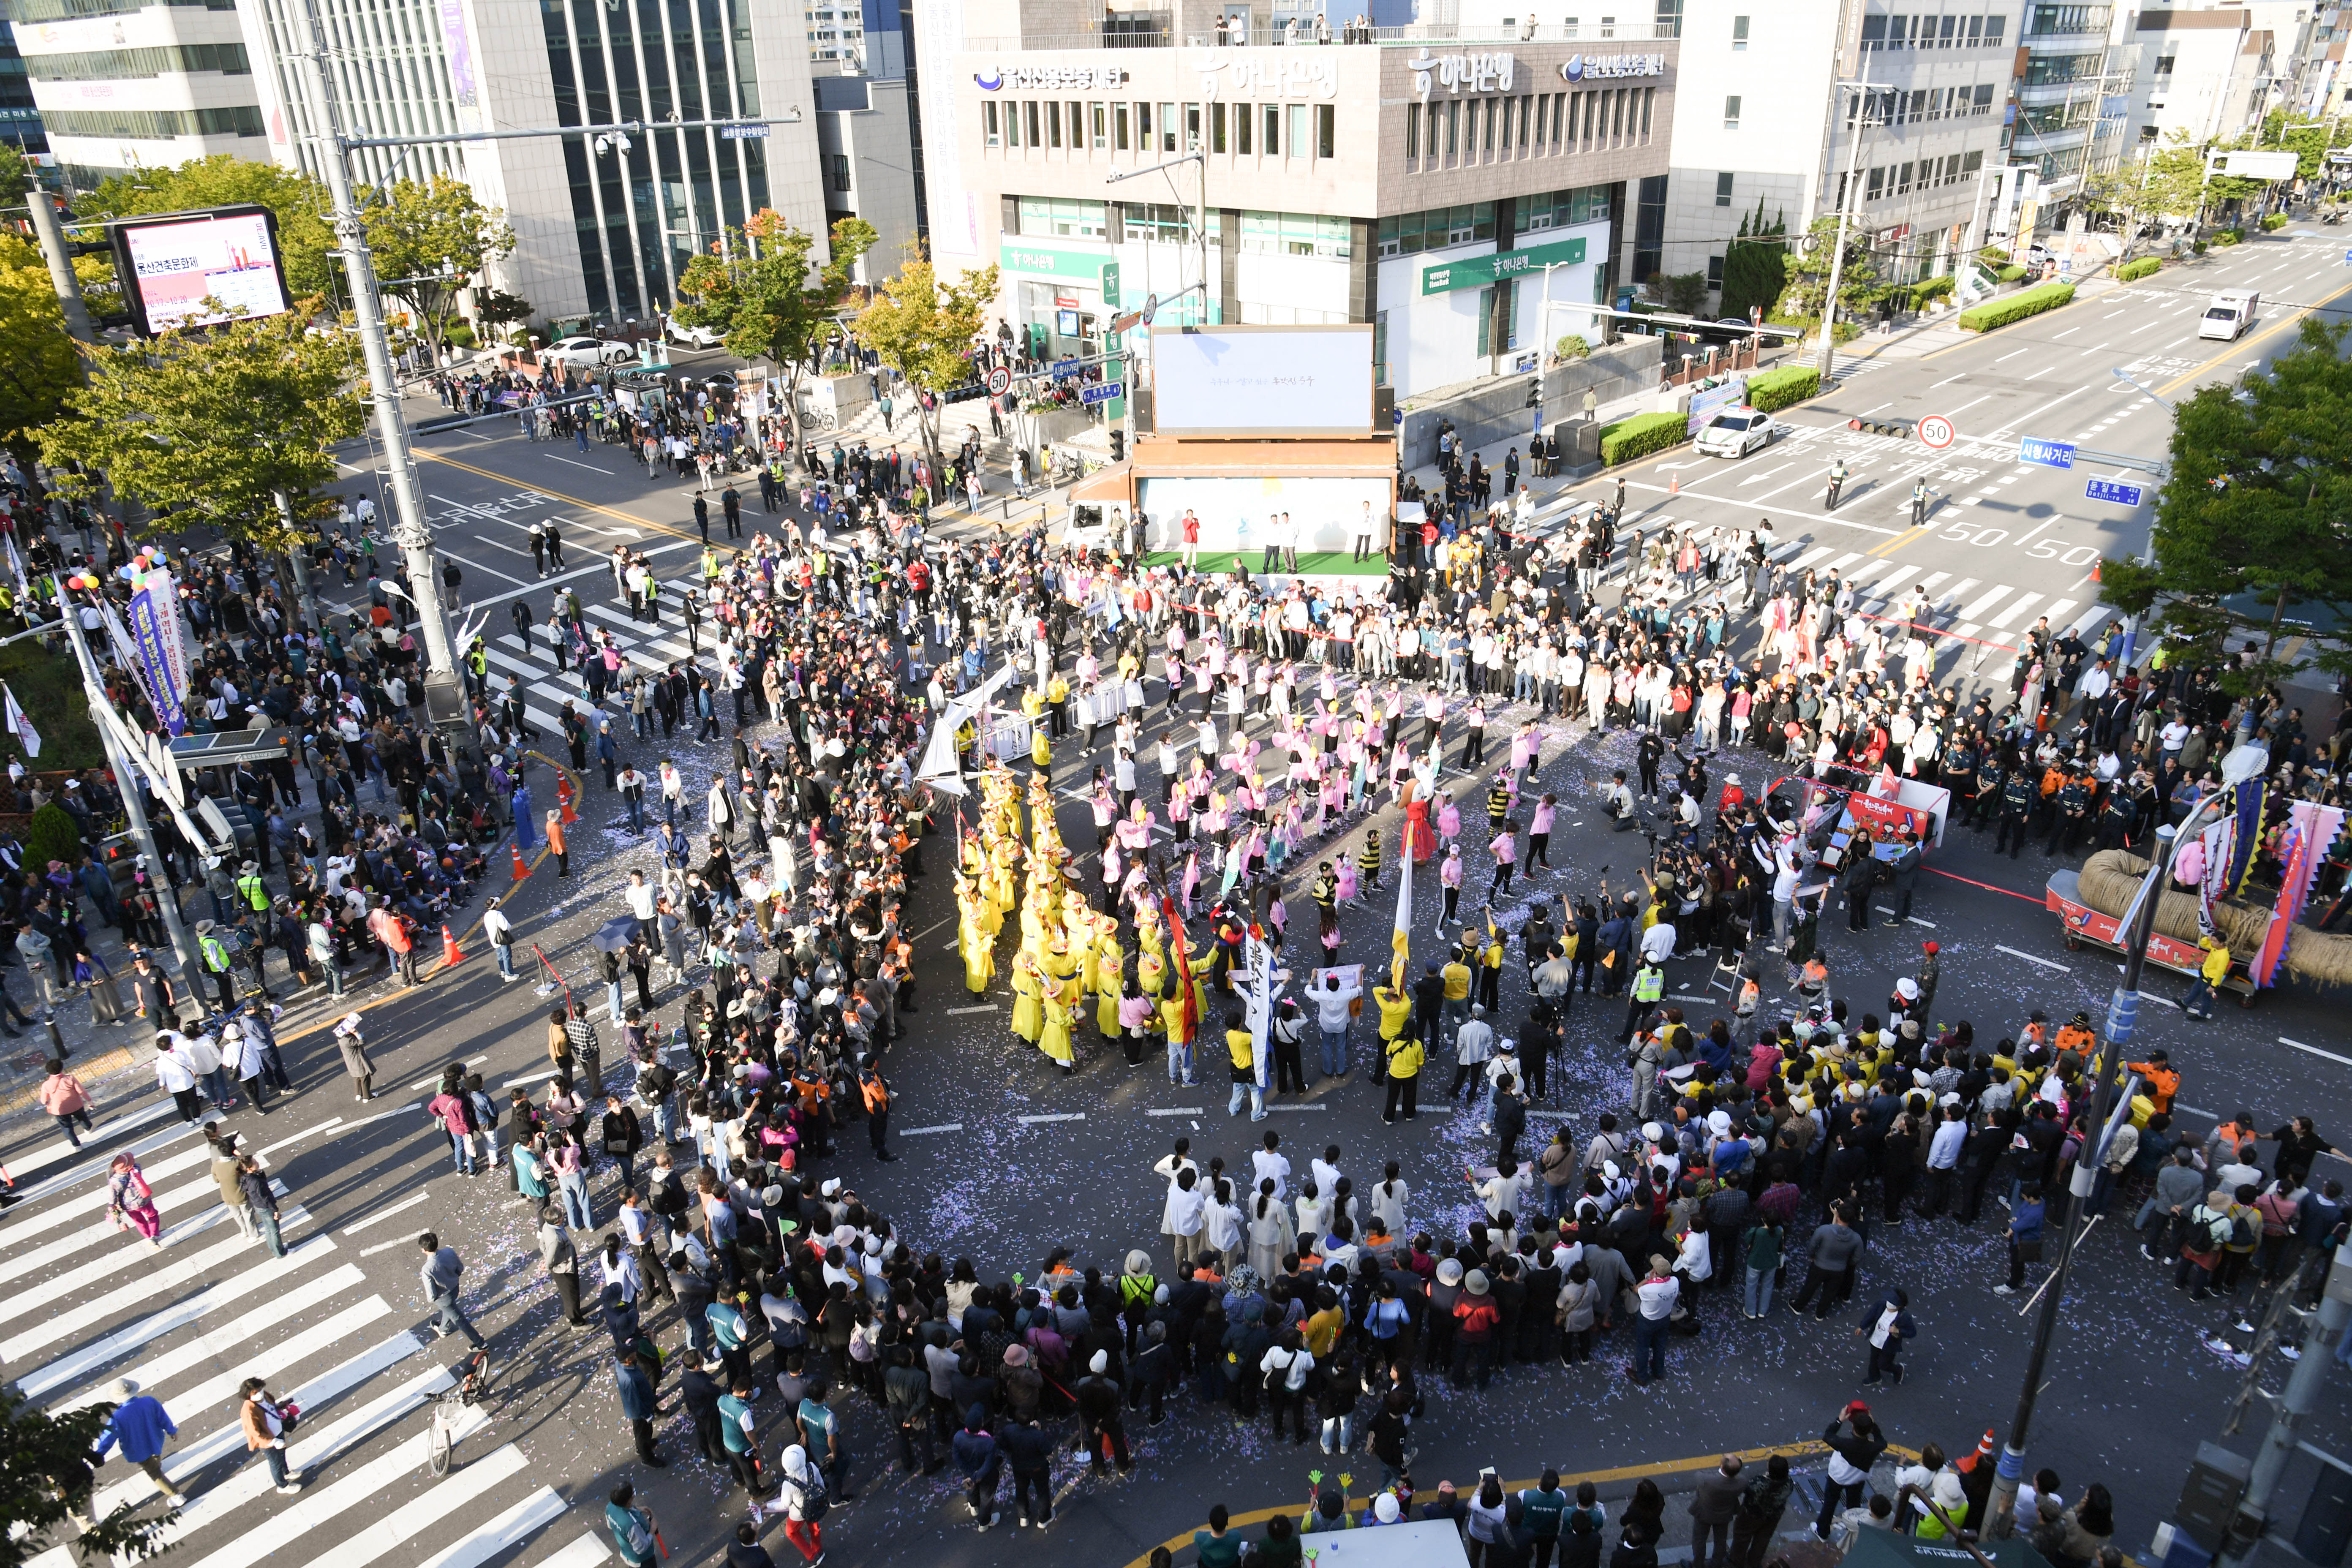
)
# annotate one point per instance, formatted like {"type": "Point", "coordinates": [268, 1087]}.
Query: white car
{"type": "Point", "coordinates": [1736, 432]}
{"type": "Point", "coordinates": [588, 351]}
{"type": "Point", "coordinates": [691, 337]}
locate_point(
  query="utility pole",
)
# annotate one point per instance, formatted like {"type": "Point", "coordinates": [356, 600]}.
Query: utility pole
{"type": "Point", "coordinates": [1827, 362]}
{"type": "Point", "coordinates": [445, 700]}
{"type": "Point", "coordinates": [2323, 1331]}
{"type": "Point", "coordinates": [61, 273]}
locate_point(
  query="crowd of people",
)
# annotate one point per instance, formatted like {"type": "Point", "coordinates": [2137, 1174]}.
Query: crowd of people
{"type": "Point", "coordinates": [1775, 1142]}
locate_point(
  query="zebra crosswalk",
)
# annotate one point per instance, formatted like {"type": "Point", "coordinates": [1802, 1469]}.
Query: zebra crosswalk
{"type": "Point", "coordinates": [1975, 617]}
{"type": "Point", "coordinates": [84, 1305]}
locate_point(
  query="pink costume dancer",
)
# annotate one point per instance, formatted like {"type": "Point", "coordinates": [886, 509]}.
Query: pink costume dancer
{"type": "Point", "coordinates": [132, 1201]}
{"type": "Point", "coordinates": [1349, 887]}
{"type": "Point", "coordinates": [1449, 820]}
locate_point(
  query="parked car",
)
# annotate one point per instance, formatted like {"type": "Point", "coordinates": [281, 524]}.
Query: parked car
{"type": "Point", "coordinates": [1736, 432]}
{"type": "Point", "coordinates": [588, 352]}
{"type": "Point", "coordinates": [690, 337]}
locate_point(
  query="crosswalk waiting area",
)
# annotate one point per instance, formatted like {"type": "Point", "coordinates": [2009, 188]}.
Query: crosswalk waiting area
{"type": "Point", "coordinates": [83, 1304]}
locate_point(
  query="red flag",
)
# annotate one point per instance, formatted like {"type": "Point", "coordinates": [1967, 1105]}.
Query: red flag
{"type": "Point", "coordinates": [1184, 965]}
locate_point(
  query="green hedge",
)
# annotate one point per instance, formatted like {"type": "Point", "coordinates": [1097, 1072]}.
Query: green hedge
{"type": "Point", "coordinates": [2275, 222]}
{"type": "Point", "coordinates": [2197, 246]}
{"type": "Point", "coordinates": [2016, 307]}
{"type": "Point", "coordinates": [1933, 289]}
{"type": "Point", "coordinates": [2146, 267]}
{"type": "Point", "coordinates": [1777, 389]}
{"type": "Point", "coordinates": [2230, 236]}
{"type": "Point", "coordinates": [2011, 274]}
{"type": "Point", "coordinates": [1641, 435]}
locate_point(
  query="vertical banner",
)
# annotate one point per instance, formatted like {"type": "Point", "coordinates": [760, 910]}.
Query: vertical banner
{"type": "Point", "coordinates": [2311, 830]}
{"type": "Point", "coordinates": [459, 41]}
{"type": "Point", "coordinates": [154, 615]}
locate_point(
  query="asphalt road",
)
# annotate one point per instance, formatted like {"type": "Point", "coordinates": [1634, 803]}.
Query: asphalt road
{"type": "Point", "coordinates": [1004, 1159]}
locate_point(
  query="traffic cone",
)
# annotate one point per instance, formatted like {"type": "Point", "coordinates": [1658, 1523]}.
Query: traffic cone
{"type": "Point", "coordinates": [564, 795]}
{"type": "Point", "coordinates": [450, 956]}
{"type": "Point", "coordinates": [2095, 570]}
{"type": "Point", "coordinates": [1674, 484]}
{"type": "Point", "coordinates": [520, 870]}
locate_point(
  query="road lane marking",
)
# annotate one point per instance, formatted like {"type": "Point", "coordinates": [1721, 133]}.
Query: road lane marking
{"type": "Point", "coordinates": [2029, 958]}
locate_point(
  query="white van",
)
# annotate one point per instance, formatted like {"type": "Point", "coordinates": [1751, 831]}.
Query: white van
{"type": "Point", "coordinates": [2230, 313]}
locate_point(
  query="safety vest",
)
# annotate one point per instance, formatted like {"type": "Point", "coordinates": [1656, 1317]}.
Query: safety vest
{"type": "Point", "coordinates": [1649, 983]}
{"type": "Point", "coordinates": [254, 891]}
{"type": "Point", "coordinates": [216, 955]}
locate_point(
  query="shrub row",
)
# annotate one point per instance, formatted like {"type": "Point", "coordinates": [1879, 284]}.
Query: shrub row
{"type": "Point", "coordinates": [2016, 307]}
{"type": "Point", "coordinates": [1642, 435]}
{"type": "Point", "coordinates": [2146, 267]}
{"type": "Point", "coordinates": [1777, 389]}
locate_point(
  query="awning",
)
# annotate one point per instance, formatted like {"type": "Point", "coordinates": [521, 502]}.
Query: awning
{"type": "Point", "coordinates": [227, 748]}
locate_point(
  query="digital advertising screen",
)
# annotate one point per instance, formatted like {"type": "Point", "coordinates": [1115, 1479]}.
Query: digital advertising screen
{"type": "Point", "coordinates": [171, 263]}
{"type": "Point", "coordinates": [1263, 380]}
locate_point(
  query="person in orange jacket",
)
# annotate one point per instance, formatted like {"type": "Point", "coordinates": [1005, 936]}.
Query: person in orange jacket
{"type": "Point", "coordinates": [555, 842]}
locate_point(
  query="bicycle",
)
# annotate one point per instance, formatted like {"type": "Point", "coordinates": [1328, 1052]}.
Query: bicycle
{"type": "Point", "coordinates": [815, 419]}
{"type": "Point", "coordinates": [473, 1380]}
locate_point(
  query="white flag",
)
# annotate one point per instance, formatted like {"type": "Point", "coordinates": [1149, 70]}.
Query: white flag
{"type": "Point", "coordinates": [19, 724]}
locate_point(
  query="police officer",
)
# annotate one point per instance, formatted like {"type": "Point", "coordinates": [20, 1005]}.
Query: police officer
{"type": "Point", "coordinates": [218, 961]}
{"type": "Point", "coordinates": [250, 888]}
{"type": "Point", "coordinates": [2016, 810]}
{"type": "Point", "coordinates": [2072, 816]}
{"type": "Point", "coordinates": [1837, 483]}
{"type": "Point", "coordinates": [2116, 818]}
{"type": "Point", "coordinates": [1918, 503]}
{"type": "Point", "coordinates": [1649, 988]}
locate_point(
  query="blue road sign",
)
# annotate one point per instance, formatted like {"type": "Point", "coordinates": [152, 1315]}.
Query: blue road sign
{"type": "Point", "coordinates": [2046, 454]}
{"type": "Point", "coordinates": [2109, 489]}
{"type": "Point", "coordinates": [1064, 368]}
{"type": "Point", "coordinates": [1101, 392]}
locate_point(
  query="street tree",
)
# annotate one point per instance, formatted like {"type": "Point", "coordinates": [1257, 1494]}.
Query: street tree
{"type": "Point", "coordinates": [306, 236]}
{"type": "Point", "coordinates": [1684, 293]}
{"type": "Point", "coordinates": [431, 239]}
{"type": "Point", "coordinates": [925, 330]}
{"type": "Point", "coordinates": [233, 424]}
{"type": "Point", "coordinates": [36, 358]}
{"type": "Point", "coordinates": [1860, 288]}
{"type": "Point", "coordinates": [45, 1475]}
{"type": "Point", "coordinates": [759, 288]}
{"type": "Point", "coordinates": [1756, 267]}
{"type": "Point", "coordinates": [2249, 526]}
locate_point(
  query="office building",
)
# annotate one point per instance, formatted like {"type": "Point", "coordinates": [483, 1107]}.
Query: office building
{"type": "Point", "coordinates": [1461, 194]}
{"type": "Point", "coordinates": [20, 117]}
{"type": "Point", "coordinates": [603, 224]}
{"type": "Point", "coordinates": [2073, 100]}
{"type": "Point", "coordinates": [120, 85]}
{"type": "Point", "coordinates": [837, 33]}
{"type": "Point", "coordinates": [1895, 110]}
{"type": "Point", "coordinates": [2214, 73]}
{"type": "Point", "coordinates": [864, 140]}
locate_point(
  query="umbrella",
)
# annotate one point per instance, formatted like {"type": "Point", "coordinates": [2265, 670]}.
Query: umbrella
{"type": "Point", "coordinates": [614, 936]}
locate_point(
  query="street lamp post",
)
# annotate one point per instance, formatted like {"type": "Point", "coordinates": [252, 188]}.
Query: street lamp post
{"type": "Point", "coordinates": [1828, 359]}
{"type": "Point", "coordinates": [2244, 763]}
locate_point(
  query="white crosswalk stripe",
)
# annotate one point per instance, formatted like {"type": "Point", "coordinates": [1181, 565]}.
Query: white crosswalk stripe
{"type": "Point", "coordinates": [81, 1305]}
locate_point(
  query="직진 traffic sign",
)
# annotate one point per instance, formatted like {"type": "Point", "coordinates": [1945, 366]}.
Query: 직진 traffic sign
{"type": "Point", "coordinates": [1936, 431]}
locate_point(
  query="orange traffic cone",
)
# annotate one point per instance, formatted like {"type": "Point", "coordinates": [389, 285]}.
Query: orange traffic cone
{"type": "Point", "coordinates": [2095, 570]}
{"type": "Point", "coordinates": [1674, 484]}
{"type": "Point", "coordinates": [520, 870]}
{"type": "Point", "coordinates": [564, 795]}
{"type": "Point", "coordinates": [450, 956]}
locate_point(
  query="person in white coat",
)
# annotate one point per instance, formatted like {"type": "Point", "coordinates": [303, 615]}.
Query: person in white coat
{"type": "Point", "coordinates": [1389, 1196]}
{"type": "Point", "coordinates": [1271, 1235]}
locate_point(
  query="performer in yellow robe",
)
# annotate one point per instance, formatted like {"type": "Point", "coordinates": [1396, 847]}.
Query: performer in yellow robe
{"type": "Point", "coordinates": [1109, 965]}
{"type": "Point", "coordinates": [1028, 1015]}
{"type": "Point", "coordinates": [1151, 973]}
{"type": "Point", "coordinates": [1055, 1041]}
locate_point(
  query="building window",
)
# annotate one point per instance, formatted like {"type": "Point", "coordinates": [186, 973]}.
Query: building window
{"type": "Point", "coordinates": [1042, 216]}
{"type": "Point", "coordinates": [1053, 122]}
{"type": "Point", "coordinates": [2044, 70]}
{"type": "Point", "coordinates": [1272, 139]}
{"type": "Point", "coordinates": [1452, 131]}
{"type": "Point", "coordinates": [1161, 223]}
{"type": "Point", "coordinates": [1242, 116]}
{"type": "Point", "coordinates": [2044, 20]}
{"type": "Point", "coordinates": [1723, 190]}
{"type": "Point", "coordinates": [1971, 163]}
{"type": "Point", "coordinates": [1739, 33]}
{"type": "Point", "coordinates": [1903, 182]}
{"type": "Point", "coordinates": [1168, 128]}
{"type": "Point", "coordinates": [1118, 127]}
{"type": "Point", "coordinates": [1876, 186]}
{"type": "Point", "coordinates": [836, 171]}
{"type": "Point", "coordinates": [1487, 145]}
{"type": "Point", "coordinates": [1715, 271]}
{"type": "Point", "coordinates": [1029, 119]}
{"type": "Point", "coordinates": [1297, 129]}
{"type": "Point", "coordinates": [1381, 349]}
{"type": "Point", "coordinates": [1326, 131]}
{"type": "Point", "coordinates": [1560, 209]}
{"type": "Point", "coordinates": [1412, 135]}
{"type": "Point", "coordinates": [1217, 127]}
{"type": "Point", "coordinates": [1649, 104]}
{"type": "Point", "coordinates": [1094, 118]}
{"type": "Point", "coordinates": [1191, 128]}
{"type": "Point", "coordinates": [1295, 233]}
{"type": "Point", "coordinates": [1438, 227]}
{"type": "Point", "coordinates": [988, 127]}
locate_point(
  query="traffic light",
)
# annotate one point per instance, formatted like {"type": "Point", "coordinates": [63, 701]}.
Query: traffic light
{"type": "Point", "coordinates": [1535, 393]}
{"type": "Point", "coordinates": [1117, 444]}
